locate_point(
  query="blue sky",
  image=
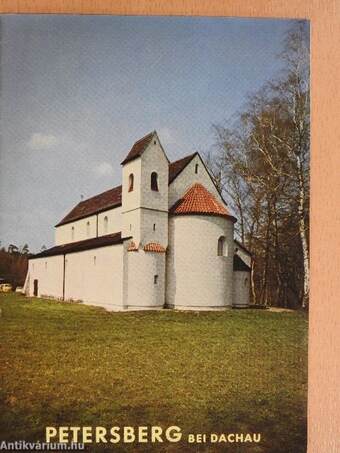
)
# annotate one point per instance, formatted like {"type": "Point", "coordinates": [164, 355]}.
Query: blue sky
{"type": "Point", "coordinates": [77, 91]}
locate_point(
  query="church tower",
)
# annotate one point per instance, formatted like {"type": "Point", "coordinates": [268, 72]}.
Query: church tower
{"type": "Point", "coordinates": [145, 222]}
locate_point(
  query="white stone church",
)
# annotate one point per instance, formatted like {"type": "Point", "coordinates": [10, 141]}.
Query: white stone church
{"type": "Point", "coordinates": [163, 239]}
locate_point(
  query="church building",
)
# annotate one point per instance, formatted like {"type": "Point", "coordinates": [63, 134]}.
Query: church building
{"type": "Point", "coordinates": [163, 239]}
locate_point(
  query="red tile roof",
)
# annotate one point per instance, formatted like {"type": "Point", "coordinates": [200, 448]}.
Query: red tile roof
{"type": "Point", "coordinates": [154, 247]}
{"type": "Point", "coordinates": [79, 246]}
{"type": "Point", "coordinates": [139, 147]}
{"type": "Point", "coordinates": [132, 247]}
{"type": "Point", "coordinates": [106, 200]}
{"type": "Point", "coordinates": [198, 200]}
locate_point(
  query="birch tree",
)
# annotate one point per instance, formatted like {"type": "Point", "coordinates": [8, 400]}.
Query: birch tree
{"type": "Point", "coordinates": [261, 163]}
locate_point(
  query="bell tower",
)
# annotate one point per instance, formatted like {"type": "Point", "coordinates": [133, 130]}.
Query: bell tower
{"type": "Point", "coordinates": [145, 192]}
{"type": "Point", "coordinates": [145, 219]}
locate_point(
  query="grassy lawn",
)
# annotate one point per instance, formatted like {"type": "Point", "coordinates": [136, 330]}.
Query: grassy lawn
{"type": "Point", "coordinates": [71, 365]}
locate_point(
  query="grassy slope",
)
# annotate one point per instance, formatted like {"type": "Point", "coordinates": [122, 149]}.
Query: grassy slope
{"type": "Point", "coordinates": [234, 371]}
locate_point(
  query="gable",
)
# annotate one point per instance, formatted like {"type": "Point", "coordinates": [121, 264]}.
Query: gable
{"type": "Point", "coordinates": [186, 177]}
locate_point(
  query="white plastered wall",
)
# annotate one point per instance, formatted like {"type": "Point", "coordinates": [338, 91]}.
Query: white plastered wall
{"type": "Point", "coordinates": [149, 218]}
{"type": "Point", "coordinates": [196, 277]}
{"type": "Point", "coordinates": [95, 277]}
{"type": "Point", "coordinates": [142, 292]}
{"type": "Point", "coordinates": [114, 221]}
{"type": "Point", "coordinates": [49, 273]}
{"type": "Point", "coordinates": [241, 288]}
{"type": "Point", "coordinates": [188, 177]}
{"type": "Point", "coordinates": [63, 233]}
{"type": "Point", "coordinates": [154, 160]}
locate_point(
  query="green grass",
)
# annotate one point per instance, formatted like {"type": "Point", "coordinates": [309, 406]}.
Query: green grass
{"type": "Point", "coordinates": [66, 364]}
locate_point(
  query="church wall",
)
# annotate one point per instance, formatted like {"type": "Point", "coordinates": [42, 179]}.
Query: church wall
{"type": "Point", "coordinates": [196, 277]}
{"type": "Point", "coordinates": [241, 288]}
{"type": "Point", "coordinates": [49, 273]}
{"type": "Point", "coordinates": [131, 200]}
{"type": "Point", "coordinates": [63, 233]}
{"type": "Point", "coordinates": [154, 160]}
{"type": "Point", "coordinates": [142, 291]}
{"type": "Point", "coordinates": [114, 224]}
{"type": "Point", "coordinates": [149, 218]}
{"type": "Point", "coordinates": [187, 178]}
{"type": "Point", "coordinates": [95, 277]}
{"type": "Point", "coordinates": [131, 225]}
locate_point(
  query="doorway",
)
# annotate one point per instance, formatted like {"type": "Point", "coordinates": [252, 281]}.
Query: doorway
{"type": "Point", "coordinates": [35, 288]}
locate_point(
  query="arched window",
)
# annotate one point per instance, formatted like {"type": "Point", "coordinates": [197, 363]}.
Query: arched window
{"type": "Point", "coordinates": [131, 180]}
{"type": "Point", "coordinates": [72, 233]}
{"type": "Point", "coordinates": [88, 229]}
{"type": "Point", "coordinates": [106, 223]}
{"type": "Point", "coordinates": [222, 248]}
{"type": "Point", "coordinates": [196, 169]}
{"type": "Point", "coordinates": [154, 181]}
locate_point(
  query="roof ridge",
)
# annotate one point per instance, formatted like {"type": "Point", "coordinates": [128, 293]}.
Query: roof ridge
{"type": "Point", "coordinates": [138, 147]}
{"type": "Point", "coordinates": [184, 157]}
{"type": "Point", "coordinates": [101, 193]}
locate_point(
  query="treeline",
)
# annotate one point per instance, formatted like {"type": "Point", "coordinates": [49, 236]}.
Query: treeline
{"type": "Point", "coordinates": [261, 163]}
{"type": "Point", "coordinates": [13, 264]}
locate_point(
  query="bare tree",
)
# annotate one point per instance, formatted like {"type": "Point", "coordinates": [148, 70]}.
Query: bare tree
{"type": "Point", "coordinates": [262, 165]}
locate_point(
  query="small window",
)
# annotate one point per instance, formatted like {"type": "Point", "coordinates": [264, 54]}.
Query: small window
{"type": "Point", "coordinates": [196, 169]}
{"type": "Point", "coordinates": [222, 249]}
{"type": "Point", "coordinates": [131, 181]}
{"type": "Point", "coordinates": [94, 260]}
{"type": "Point", "coordinates": [45, 264]}
{"type": "Point", "coordinates": [130, 227]}
{"type": "Point", "coordinates": [72, 233]}
{"type": "Point", "coordinates": [155, 279]}
{"type": "Point", "coordinates": [154, 227]}
{"type": "Point", "coordinates": [154, 181]}
{"type": "Point", "coordinates": [245, 281]}
{"type": "Point", "coordinates": [106, 223]}
{"type": "Point", "coordinates": [154, 142]}
{"type": "Point", "coordinates": [88, 229]}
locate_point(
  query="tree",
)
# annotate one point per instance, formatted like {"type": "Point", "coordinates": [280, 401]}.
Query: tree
{"type": "Point", "coordinates": [262, 165]}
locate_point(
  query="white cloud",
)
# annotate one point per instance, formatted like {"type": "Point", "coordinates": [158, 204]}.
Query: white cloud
{"type": "Point", "coordinates": [103, 169]}
{"type": "Point", "coordinates": [40, 141]}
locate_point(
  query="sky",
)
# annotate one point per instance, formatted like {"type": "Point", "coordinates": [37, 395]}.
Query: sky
{"type": "Point", "coordinates": [78, 91]}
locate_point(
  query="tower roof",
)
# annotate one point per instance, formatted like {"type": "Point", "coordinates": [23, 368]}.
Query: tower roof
{"type": "Point", "coordinates": [198, 200]}
{"type": "Point", "coordinates": [139, 147]}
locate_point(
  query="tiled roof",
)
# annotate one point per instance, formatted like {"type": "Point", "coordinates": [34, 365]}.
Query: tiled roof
{"type": "Point", "coordinates": [154, 247]}
{"type": "Point", "coordinates": [79, 246]}
{"type": "Point", "coordinates": [240, 265]}
{"type": "Point", "coordinates": [132, 247]}
{"type": "Point", "coordinates": [176, 167]}
{"type": "Point", "coordinates": [198, 200]}
{"type": "Point", "coordinates": [106, 200]}
{"type": "Point", "coordinates": [113, 197]}
{"type": "Point", "coordinates": [139, 147]}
